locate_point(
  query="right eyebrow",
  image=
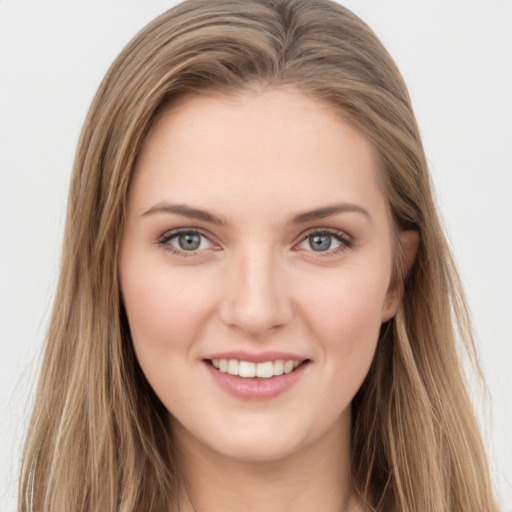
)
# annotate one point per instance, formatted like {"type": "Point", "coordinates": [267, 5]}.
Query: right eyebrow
{"type": "Point", "coordinates": [185, 211]}
{"type": "Point", "coordinates": [328, 211]}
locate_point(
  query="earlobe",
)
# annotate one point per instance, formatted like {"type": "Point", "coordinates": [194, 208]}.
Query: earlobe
{"type": "Point", "coordinates": [409, 242]}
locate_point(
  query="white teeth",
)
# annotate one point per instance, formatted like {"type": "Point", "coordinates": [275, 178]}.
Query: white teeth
{"type": "Point", "coordinates": [246, 369]}
{"type": "Point", "coordinates": [288, 366]}
{"type": "Point", "coordinates": [265, 370]}
{"type": "Point", "coordinates": [279, 367]}
{"type": "Point", "coordinates": [233, 367]}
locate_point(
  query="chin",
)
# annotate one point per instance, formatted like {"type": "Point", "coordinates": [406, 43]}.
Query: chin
{"type": "Point", "coordinates": [258, 449]}
{"type": "Point", "coordinates": [259, 438]}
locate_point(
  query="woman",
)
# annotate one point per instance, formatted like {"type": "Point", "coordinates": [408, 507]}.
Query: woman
{"type": "Point", "coordinates": [257, 307]}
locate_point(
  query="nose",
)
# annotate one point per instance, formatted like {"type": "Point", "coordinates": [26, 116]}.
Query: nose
{"type": "Point", "coordinates": [256, 298]}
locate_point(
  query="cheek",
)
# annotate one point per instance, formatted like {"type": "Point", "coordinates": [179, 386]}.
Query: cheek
{"type": "Point", "coordinates": [345, 315]}
{"type": "Point", "coordinates": [167, 312]}
{"type": "Point", "coordinates": [165, 309]}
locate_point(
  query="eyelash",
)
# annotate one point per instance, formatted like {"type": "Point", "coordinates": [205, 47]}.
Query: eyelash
{"type": "Point", "coordinates": [341, 237]}
{"type": "Point", "coordinates": [167, 237]}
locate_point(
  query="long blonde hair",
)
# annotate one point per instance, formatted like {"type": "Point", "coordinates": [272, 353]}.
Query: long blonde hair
{"type": "Point", "coordinates": [98, 438]}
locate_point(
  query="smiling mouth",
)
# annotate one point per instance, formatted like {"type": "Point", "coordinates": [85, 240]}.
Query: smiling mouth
{"type": "Point", "coordinates": [250, 370]}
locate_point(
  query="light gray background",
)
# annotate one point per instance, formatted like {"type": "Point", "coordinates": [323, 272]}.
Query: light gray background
{"type": "Point", "coordinates": [456, 56]}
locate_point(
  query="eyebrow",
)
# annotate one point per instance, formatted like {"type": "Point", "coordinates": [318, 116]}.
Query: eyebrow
{"type": "Point", "coordinates": [185, 211]}
{"type": "Point", "coordinates": [328, 211]}
{"type": "Point", "coordinates": [301, 218]}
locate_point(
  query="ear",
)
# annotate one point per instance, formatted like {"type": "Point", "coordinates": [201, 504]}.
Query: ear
{"type": "Point", "coordinates": [409, 241]}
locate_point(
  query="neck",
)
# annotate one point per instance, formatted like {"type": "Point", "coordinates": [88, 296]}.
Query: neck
{"type": "Point", "coordinates": [316, 477]}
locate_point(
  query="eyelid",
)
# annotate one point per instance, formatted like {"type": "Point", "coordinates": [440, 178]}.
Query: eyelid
{"type": "Point", "coordinates": [326, 230]}
{"type": "Point", "coordinates": [346, 241]}
{"type": "Point", "coordinates": [164, 240]}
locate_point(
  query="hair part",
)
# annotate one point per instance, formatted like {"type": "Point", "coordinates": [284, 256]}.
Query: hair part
{"type": "Point", "coordinates": [98, 438]}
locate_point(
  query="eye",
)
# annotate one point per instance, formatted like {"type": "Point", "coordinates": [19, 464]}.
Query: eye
{"type": "Point", "coordinates": [185, 241]}
{"type": "Point", "coordinates": [325, 242]}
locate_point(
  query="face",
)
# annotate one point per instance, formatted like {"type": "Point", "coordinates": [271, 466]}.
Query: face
{"type": "Point", "coordinates": [255, 268]}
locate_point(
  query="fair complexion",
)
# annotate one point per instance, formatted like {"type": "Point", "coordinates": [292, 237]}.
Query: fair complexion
{"type": "Point", "coordinates": [256, 230]}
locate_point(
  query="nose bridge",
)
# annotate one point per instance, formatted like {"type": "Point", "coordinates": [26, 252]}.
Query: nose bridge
{"type": "Point", "coordinates": [256, 299]}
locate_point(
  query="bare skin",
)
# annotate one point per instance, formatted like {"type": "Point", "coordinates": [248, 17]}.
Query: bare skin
{"type": "Point", "coordinates": [311, 480]}
{"type": "Point", "coordinates": [256, 223]}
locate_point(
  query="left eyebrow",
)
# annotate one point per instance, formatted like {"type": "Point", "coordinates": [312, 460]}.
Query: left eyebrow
{"type": "Point", "coordinates": [328, 211]}
{"type": "Point", "coordinates": [185, 211]}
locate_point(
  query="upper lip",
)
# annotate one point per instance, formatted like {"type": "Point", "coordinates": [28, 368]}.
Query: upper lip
{"type": "Point", "coordinates": [257, 357]}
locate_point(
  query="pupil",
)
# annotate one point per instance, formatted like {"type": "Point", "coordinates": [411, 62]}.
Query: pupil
{"type": "Point", "coordinates": [189, 241]}
{"type": "Point", "coordinates": [320, 242]}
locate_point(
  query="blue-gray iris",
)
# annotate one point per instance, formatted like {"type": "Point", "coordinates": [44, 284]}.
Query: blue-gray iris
{"type": "Point", "coordinates": [189, 241]}
{"type": "Point", "coordinates": [320, 242]}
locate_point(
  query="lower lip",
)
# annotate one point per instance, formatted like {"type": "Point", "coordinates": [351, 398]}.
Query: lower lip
{"type": "Point", "coordinates": [256, 389]}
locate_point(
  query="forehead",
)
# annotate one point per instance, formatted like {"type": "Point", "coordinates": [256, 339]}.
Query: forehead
{"type": "Point", "coordinates": [275, 145]}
